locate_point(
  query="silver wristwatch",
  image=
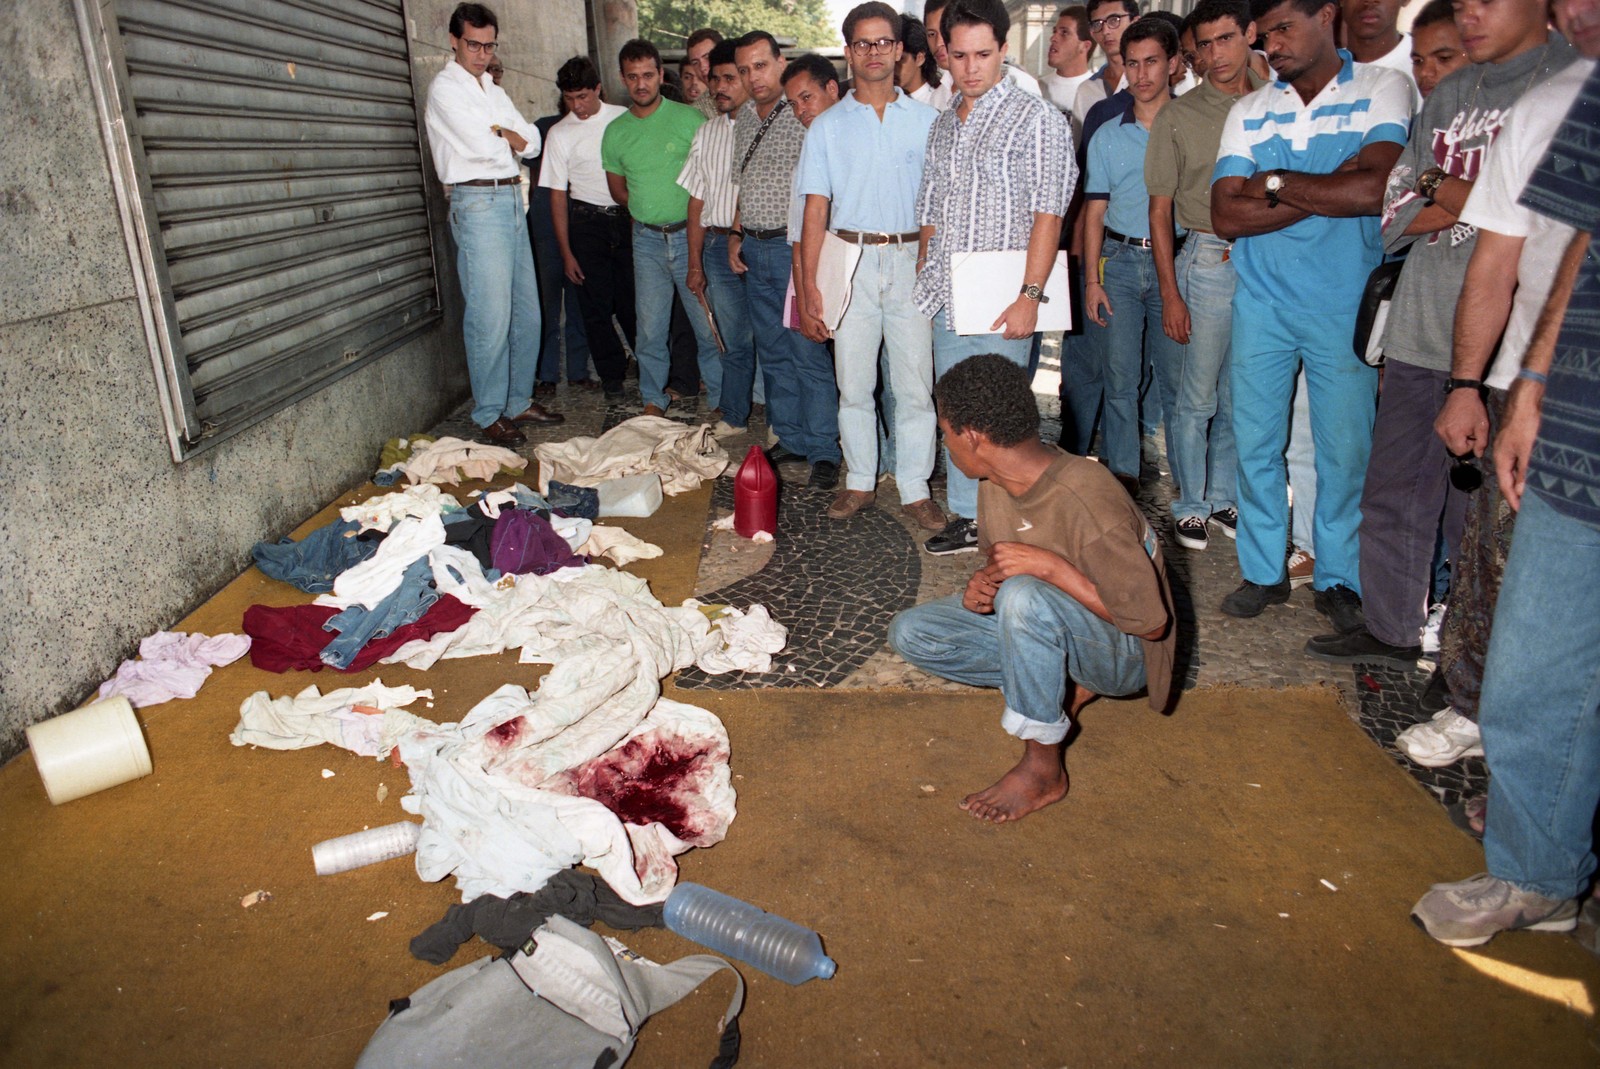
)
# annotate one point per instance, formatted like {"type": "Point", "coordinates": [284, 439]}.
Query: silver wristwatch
{"type": "Point", "coordinates": [1035, 293]}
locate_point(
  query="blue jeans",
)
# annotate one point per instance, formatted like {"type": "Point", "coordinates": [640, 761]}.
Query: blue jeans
{"type": "Point", "coordinates": [501, 324]}
{"type": "Point", "coordinates": [1270, 343]}
{"type": "Point", "coordinates": [802, 399]}
{"type": "Point", "coordinates": [1082, 375]}
{"type": "Point", "coordinates": [881, 312]}
{"type": "Point", "coordinates": [1134, 329]}
{"type": "Point", "coordinates": [949, 349]}
{"type": "Point", "coordinates": [1540, 711]}
{"type": "Point", "coordinates": [1200, 429]}
{"type": "Point", "coordinates": [660, 265]}
{"type": "Point", "coordinates": [359, 625]}
{"type": "Point", "coordinates": [314, 562]}
{"type": "Point", "coordinates": [731, 305]}
{"type": "Point", "coordinates": [1037, 638]}
{"type": "Point", "coordinates": [554, 292]}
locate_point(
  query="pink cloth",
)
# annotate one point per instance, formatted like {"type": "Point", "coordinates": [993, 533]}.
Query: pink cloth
{"type": "Point", "coordinates": [172, 664]}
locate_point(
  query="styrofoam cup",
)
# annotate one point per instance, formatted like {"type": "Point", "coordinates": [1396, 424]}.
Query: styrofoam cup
{"type": "Point", "coordinates": [365, 847]}
{"type": "Point", "coordinates": [89, 749]}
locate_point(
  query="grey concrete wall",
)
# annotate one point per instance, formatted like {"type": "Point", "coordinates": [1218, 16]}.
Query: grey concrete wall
{"type": "Point", "coordinates": [103, 539]}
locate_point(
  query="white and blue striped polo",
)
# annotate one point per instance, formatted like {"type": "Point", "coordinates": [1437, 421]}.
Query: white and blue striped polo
{"type": "Point", "coordinates": [1319, 264]}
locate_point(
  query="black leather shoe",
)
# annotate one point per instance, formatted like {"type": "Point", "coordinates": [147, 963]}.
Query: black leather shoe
{"type": "Point", "coordinates": [503, 432]}
{"type": "Point", "coordinates": [1342, 607]}
{"type": "Point", "coordinates": [537, 413]}
{"type": "Point", "coordinates": [1252, 599]}
{"type": "Point", "coordinates": [1360, 645]}
{"type": "Point", "coordinates": [824, 475]}
{"type": "Point", "coordinates": [781, 454]}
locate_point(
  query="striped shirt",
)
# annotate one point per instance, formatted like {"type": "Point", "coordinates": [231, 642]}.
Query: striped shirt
{"type": "Point", "coordinates": [708, 172]}
{"type": "Point", "coordinates": [1320, 264]}
{"type": "Point", "coordinates": [984, 179]}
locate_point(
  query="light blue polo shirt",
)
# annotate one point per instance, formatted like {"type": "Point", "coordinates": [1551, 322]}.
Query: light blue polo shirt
{"type": "Point", "coordinates": [871, 170]}
{"type": "Point", "coordinates": [1116, 173]}
{"type": "Point", "coordinates": [1319, 264]}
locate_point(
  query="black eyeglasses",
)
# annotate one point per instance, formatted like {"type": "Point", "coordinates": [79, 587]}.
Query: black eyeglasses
{"type": "Point", "coordinates": [1110, 22]}
{"type": "Point", "coordinates": [480, 46]}
{"type": "Point", "coordinates": [1465, 475]}
{"type": "Point", "coordinates": [882, 44]}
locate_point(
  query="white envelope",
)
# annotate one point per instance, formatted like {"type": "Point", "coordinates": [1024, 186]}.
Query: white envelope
{"type": "Point", "coordinates": [836, 268]}
{"type": "Point", "coordinates": [985, 284]}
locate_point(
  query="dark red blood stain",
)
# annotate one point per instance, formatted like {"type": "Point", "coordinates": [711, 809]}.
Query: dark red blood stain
{"type": "Point", "coordinates": [1371, 684]}
{"type": "Point", "coordinates": [645, 781]}
{"type": "Point", "coordinates": [507, 733]}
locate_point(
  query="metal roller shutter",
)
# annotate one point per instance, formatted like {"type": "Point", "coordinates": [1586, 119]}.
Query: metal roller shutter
{"type": "Point", "coordinates": [281, 176]}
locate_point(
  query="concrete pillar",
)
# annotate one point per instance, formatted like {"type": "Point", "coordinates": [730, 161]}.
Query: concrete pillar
{"type": "Point", "coordinates": [616, 22]}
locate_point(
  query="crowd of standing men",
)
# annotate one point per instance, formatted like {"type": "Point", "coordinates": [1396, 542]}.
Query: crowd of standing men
{"type": "Point", "coordinates": [1250, 188]}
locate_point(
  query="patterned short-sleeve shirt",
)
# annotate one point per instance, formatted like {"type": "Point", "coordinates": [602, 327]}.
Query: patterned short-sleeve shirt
{"type": "Point", "coordinates": [767, 180]}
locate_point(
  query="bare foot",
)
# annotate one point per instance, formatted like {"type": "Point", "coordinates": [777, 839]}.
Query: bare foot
{"type": "Point", "coordinates": [1038, 780]}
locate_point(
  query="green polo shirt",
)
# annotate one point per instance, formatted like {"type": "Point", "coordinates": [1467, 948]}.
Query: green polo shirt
{"type": "Point", "coordinates": [1183, 152]}
{"type": "Point", "coordinates": [650, 153]}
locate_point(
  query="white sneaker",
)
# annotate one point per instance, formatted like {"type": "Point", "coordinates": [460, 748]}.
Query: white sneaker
{"type": "Point", "coordinates": [1444, 740]}
{"type": "Point", "coordinates": [1430, 630]}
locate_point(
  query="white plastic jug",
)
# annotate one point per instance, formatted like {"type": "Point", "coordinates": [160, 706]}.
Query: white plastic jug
{"type": "Point", "coordinates": [89, 749]}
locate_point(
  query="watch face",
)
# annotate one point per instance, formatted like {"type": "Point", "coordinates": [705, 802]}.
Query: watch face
{"type": "Point", "coordinates": [1274, 182]}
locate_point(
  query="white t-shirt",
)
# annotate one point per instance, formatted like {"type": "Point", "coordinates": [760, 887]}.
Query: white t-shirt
{"type": "Point", "coordinates": [1063, 91]}
{"type": "Point", "coordinates": [1526, 133]}
{"type": "Point", "coordinates": [1398, 58]}
{"type": "Point", "coordinates": [572, 156]}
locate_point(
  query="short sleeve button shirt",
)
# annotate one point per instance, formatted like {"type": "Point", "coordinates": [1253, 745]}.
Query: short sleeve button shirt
{"type": "Point", "coordinates": [766, 180]}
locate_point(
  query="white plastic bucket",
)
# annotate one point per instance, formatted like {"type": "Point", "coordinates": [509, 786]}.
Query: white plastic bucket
{"type": "Point", "coordinates": [89, 749]}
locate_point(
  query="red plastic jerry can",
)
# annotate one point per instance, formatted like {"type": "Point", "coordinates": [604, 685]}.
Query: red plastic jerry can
{"type": "Point", "coordinates": [755, 496]}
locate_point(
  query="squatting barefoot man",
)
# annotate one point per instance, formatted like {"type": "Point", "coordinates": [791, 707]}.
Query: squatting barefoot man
{"type": "Point", "coordinates": [1073, 602]}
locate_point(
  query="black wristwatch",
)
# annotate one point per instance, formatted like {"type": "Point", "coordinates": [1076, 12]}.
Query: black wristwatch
{"type": "Point", "coordinates": [1467, 384]}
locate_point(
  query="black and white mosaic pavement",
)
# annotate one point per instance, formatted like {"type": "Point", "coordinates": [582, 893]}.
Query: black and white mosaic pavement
{"type": "Point", "coordinates": [1387, 704]}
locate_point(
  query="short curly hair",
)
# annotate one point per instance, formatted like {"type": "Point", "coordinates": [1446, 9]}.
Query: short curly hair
{"type": "Point", "coordinates": [990, 395]}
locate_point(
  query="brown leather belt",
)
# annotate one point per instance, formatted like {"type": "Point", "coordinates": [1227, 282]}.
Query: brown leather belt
{"type": "Point", "coordinates": [873, 237]}
{"type": "Point", "coordinates": [517, 181]}
{"type": "Point", "coordinates": [670, 228]}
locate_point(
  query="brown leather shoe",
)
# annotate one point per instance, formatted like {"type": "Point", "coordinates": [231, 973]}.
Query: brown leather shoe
{"type": "Point", "coordinates": [653, 410]}
{"type": "Point", "coordinates": [503, 432]}
{"type": "Point", "coordinates": [847, 503]}
{"type": "Point", "coordinates": [537, 413]}
{"type": "Point", "coordinates": [927, 515]}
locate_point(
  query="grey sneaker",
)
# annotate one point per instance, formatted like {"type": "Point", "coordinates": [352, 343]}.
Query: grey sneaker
{"type": "Point", "coordinates": [1471, 912]}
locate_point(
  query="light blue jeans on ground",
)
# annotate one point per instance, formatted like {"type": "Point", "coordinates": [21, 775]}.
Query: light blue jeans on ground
{"type": "Point", "coordinates": [1200, 428]}
{"type": "Point", "coordinates": [501, 326]}
{"type": "Point", "coordinates": [729, 303]}
{"type": "Point", "coordinates": [881, 311]}
{"type": "Point", "coordinates": [949, 349]}
{"type": "Point", "coordinates": [1540, 711]}
{"type": "Point", "coordinates": [1134, 328]}
{"type": "Point", "coordinates": [1036, 640]}
{"type": "Point", "coordinates": [801, 396]}
{"type": "Point", "coordinates": [1270, 342]}
{"type": "Point", "coordinates": [660, 264]}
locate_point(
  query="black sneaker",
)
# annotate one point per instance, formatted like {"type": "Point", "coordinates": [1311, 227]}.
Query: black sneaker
{"type": "Point", "coordinates": [1191, 532]}
{"type": "Point", "coordinates": [1228, 520]}
{"type": "Point", "coordinates": [824, 475]}
{"type": "Point", "coordinates": [782, 454]}
{"type": "Point", "coordinates": [613, 390]}
{"type": "Point", "coordinates": [1342, 607]}
{"type": "Point", "coordinates": [1360, 645]}
{"type": "Point", "coordinates": [958, 536]}
{"type": "Point", "coordinates": [1251, 599]}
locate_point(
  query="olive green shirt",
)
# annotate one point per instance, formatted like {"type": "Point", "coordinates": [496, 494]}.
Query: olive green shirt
{"type": "Point", "coordinates": [1183, 151]}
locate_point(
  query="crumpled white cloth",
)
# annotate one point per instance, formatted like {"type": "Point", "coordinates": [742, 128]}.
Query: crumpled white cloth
{"type": "Point", "coordinates": [454, 460]}
{"type": "Point", "coordinates": [619, 545]}
{"type": "Point", "coordinates": [382, 511]}
{"type": "Point", "coordinates": [375, 578]}
{"type": "Point", "coordinates": [311, 718]}
{"type": "Point", "coordinates": [172, 664]}
{"type": "Point", "coordinates": [750, 638]}
{"type": "Point", "coordinates": [682, 455]}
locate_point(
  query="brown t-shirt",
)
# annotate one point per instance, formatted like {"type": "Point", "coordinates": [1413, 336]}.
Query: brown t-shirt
{"type": "Point", "coordinates": [1078, 511]}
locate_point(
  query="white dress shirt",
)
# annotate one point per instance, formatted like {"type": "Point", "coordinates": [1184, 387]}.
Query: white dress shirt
{"type": "Point", "coordinates": [462, 111]}
{"type": "Point", "coordinates": [572, 156]}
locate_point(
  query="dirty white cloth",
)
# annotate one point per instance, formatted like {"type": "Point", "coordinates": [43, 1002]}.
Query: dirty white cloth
{"type": "Point", "coordinates": [311, 718]}
{"type": "Point", "coordinates": [454, 460]}
{"type": "Point", "coordinates": [750, 638]}
{"type": "Point", "coordinates": [683, 456]}
{"type": "Point", "coordinates": [619, 545]}
{"type": "Point", "coordinates": [382, 511]}
{"type": "Point", "coordinates": [172, 664]}
{"type": "Point", "coordinates": [375, 578]}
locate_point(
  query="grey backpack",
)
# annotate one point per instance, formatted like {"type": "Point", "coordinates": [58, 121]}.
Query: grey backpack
{"type": "Point", "coordinates": [567, 999]}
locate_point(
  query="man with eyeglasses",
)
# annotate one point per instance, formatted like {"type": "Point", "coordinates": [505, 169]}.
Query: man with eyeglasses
{"type": "Point", "coordinates": [1108, 20]}
{"type": "Point", "coordinates": [859, 176]}
{"type": "Point", "coordinates": [999, 175]}
{"type": "Point", "coordinates": [479, 140]}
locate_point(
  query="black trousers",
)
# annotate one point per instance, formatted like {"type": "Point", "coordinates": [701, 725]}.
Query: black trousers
{"type": "Point", "coordinates": [603, 245]}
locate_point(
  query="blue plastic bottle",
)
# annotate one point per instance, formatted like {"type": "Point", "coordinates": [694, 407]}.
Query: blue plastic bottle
{"type": "Point", "coordinates": [776, 946]}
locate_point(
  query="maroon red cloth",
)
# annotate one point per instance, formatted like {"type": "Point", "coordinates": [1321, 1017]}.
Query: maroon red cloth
{"type": "Point", "coordinates": [291, 637]}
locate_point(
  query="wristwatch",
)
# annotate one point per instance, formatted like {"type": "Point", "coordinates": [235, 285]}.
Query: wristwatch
{"type": "Point", "coordinates": [1467, 384]}
{"type": "Point", "coordinates": [1274, 186]}
{"type": "Point", "coordinates": [1429, 182]}
{"type": "Point", "coordinates": [1035, 293]}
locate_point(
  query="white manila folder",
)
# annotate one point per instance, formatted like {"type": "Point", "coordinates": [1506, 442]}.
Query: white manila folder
{"type": "Point", "coordinates": [985, 284]}
{"type": "Point", "coordinates": [836, 268]}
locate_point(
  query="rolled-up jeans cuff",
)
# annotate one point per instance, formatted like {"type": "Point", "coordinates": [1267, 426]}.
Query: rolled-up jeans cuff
{"type": "Point", "coordinates": [1030, 730]}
